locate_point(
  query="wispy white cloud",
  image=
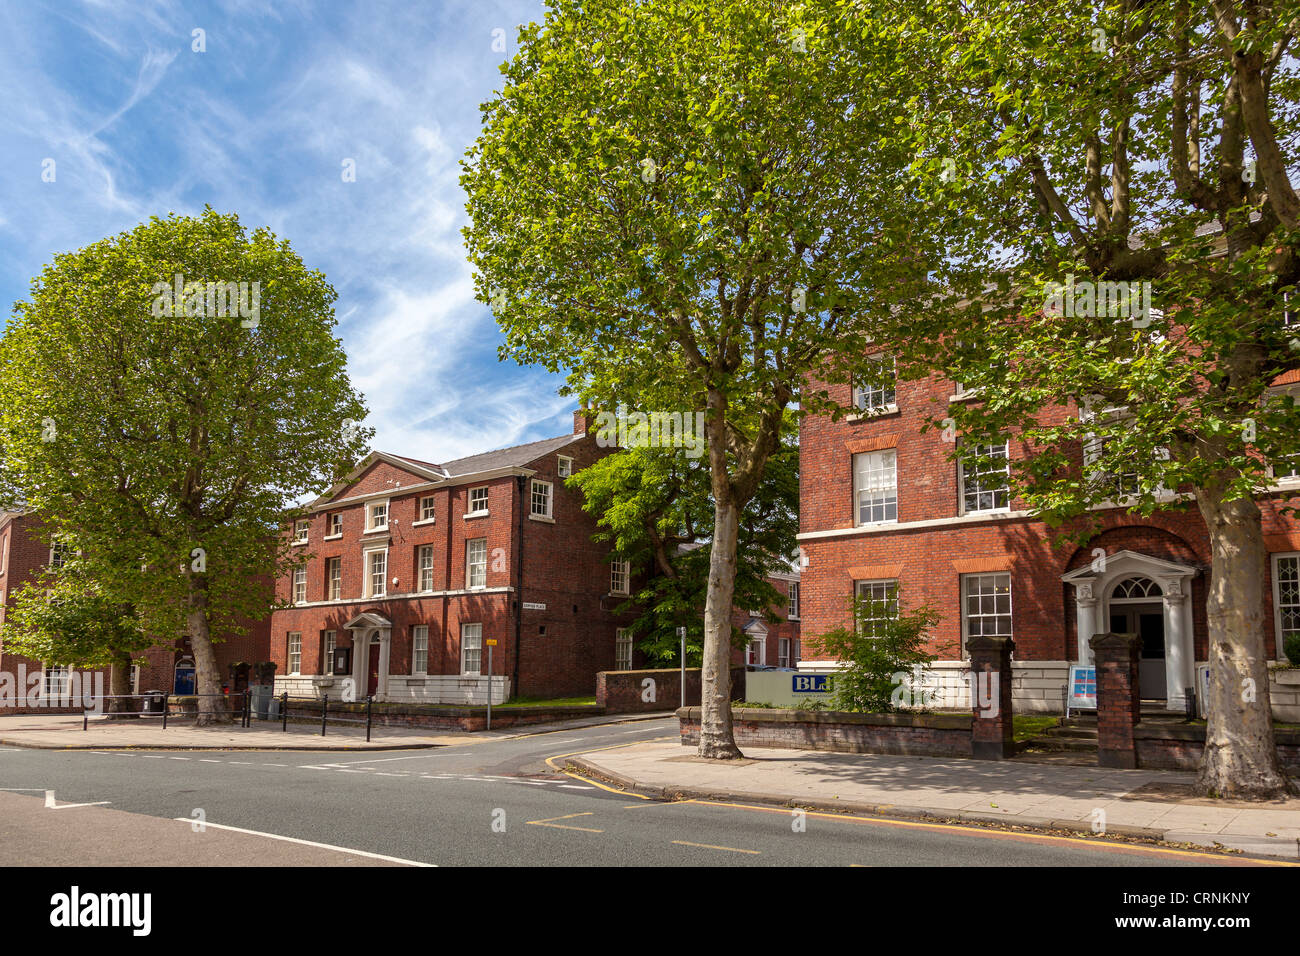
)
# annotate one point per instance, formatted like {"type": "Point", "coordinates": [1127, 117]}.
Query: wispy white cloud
{"type": "Point", "coordinates": [260, 124]}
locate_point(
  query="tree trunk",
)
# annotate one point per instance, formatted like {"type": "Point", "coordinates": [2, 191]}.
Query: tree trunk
{"type": "Point", "coordinates": [716, 737]}
{"type": "Point", "coordinates": [212, 707]}
{"type": "Point", "coordinates": [119, 684]}
{"type": "Point", "coordinates": [1240, 759]}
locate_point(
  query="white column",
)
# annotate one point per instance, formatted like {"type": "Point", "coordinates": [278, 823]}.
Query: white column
{"type": "Point", "coordinates": [1085, 619]}
{"type": "Point", "coordinates": [1178, 645]}
{"type": "Point", "coordinates": [359, 658]}
{"type": "Point", "coordinates": [382, 636]}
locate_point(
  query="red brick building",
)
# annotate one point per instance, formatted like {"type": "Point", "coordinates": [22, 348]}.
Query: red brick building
{"type": "Point", "coordinates": [885, 512]}
{"type": "Point", "coordinates": [414, 567]}
{"type": "Point", "coordinates": [25, 553]}
{"type": "Point", "coordinates": [772, 645]}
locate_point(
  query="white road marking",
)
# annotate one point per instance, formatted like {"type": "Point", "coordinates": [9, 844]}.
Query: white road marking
{"type": "Point", "coordinates": [180, 758]}
{"type": "Point", "coordinates": [322, 846]}
{"type": "Point", "coordinates": [50, 803]}
{"type": "Point", "coordinates": [574, 786]}
{"type": "Point", "coordinates": [208, 760]}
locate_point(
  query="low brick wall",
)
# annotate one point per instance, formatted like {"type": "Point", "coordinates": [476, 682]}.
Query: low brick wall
{"type": "Point", "coordinates": [1179, 747]}
{"type": "Point", "coordinates": [623, 692]}
{"type": "Point", "coordinates": [923, 735]}
{"type": "Point", "coordinates": [436, 718]}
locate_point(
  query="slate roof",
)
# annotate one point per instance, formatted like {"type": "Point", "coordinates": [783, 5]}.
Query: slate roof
{"type": "Point", "coordinates": [515, 456]}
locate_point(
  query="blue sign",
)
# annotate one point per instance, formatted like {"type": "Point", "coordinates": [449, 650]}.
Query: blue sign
{"type": "Point", "coordinates": [1083, 688]}
{"type": "Point", "coordinates": [811, 683]}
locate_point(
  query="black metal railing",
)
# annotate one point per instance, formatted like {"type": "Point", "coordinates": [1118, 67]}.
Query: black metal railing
{"type": "Point", "coordinates": [158, 704]}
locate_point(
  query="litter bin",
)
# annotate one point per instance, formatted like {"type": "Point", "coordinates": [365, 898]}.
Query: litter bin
{"type": "Point", "coordinates": [153, 702]}
{"type": "Point", "coordinates": [260, 698]}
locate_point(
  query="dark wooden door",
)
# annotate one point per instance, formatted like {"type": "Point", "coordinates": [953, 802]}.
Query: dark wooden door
{"type": "Point", "coordinates": [372, 679]}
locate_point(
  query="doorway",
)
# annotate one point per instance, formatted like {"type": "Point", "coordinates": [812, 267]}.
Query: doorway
{"type": "Point", "coordinates": [1147, 620]}
{"type": "Point", "coordinates": [372, 671]}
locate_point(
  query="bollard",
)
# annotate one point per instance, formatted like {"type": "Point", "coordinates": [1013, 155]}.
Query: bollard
{"type": "Point", "coordinates": [85, 721]}
{"type": "Point", "coordinates": [166, 707]}
{"type": "Point", "coordinates": [324, 706]}
{"type": "Point", "coordinates": [284, 711]}
{"type": "Point", "coordinates": [370, 703]}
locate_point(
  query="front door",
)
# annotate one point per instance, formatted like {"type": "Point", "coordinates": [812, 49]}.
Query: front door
{"type": "Point", "coordinates": [1148, 620]}
{"type": "Point", "coordinates": [372, 672]}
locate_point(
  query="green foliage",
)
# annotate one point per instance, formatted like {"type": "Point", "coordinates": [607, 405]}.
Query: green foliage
{"type": "Point", "coordinates": [1111, 143]}
{"type": "Point", "coordinates": [169, 444]}
{"type": "Point", "coordinates": [655, 507]}
{"type": "Point", "coordinates": [66, 618]}
{"type": "Point", "coordinates": [880, 652]}
{"type": "Point", "coordinates": [1291, 647]}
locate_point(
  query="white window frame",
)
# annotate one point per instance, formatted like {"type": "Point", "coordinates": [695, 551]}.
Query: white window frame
{"type": "Point", "coordinates": [792, 611]}
{"type": "Point", "coordinates": [301, 530]}
{"type": "Point", "coordinates": [471, 565]}
{"type": "Point", "coordinates": [335, 594]}
{"type": "Point", "coordinates": [1274, 561]}
{"type": "Point", "coordinates": [979, 577]}
{"type": "Point", "coordinates": [889, 593]}
{"type": "Point", "coordinates": [63, 548]}
{"type": "Point", "coordinates": [369, 568]}
{"type": "Point", "coordinates": [56, 681]}
{"type": "Point", "coordinates": [428, 506]}
{"type": "Point", "coordinates": [564, 466]}
{"type": "Point", "coordinates": [548, 499]}
{"type": "Point", "coordinates": [620, 571]}
{"type": "Point", "coordinates": [330, 643]}
{"type": "Point", "coordinates": [758, 644]}
{"type": "Point", "coordinates": [480, 494]}
{"type": "Point", "coordinates": [623, 649]}
{"type": "Point", "coordinates": [963, 479]}
{"type": "Point", "coordinates": [300, 585]}
{"type": "Point", "coordinates": [424, 568]}
{"type": "Point", "coordinates": [420, 649]}
{"type": "Point", "coordinates": [471, 649]}
{"type": "Point", "coordinates": [783, 652]}
{"type": "Point", "coordinates": [875, 397]}
{"type": "Point", "coordinates": [871, 468]}
{"type": "Point", "coordinates": [334, 523]}
{"type": "Point", "coordinates": [371, 523]}
{"type": "Point", "coordinates": [292, 655]}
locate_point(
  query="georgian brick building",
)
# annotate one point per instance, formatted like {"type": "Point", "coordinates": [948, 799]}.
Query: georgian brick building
{"type": "Point", "coordinates": [772, 644]}
{"type": "Point", "coordinates": [169, 667]}
{"type": "Point", "coordinates": [414, 567]}
{"type": "Point", "coordinates": [885, 512]}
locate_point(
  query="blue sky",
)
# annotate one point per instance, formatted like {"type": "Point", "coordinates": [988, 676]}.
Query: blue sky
{"type": "Point", "coordinates": [139, 124]}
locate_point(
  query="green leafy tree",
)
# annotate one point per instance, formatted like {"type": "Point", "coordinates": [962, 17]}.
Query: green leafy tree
{"type": "Point", "coordinates": [884, 654]}
{"type": "Point", "coordinates": [166, 432]}
{"type": "Point", "coordinates": [688, 205]}
{"type": "Point", "coordinates": [655, 506]}
{"type": "Point", "coordinates": [65, 618]}
{"type": "Point", "coordinates": [1082, 152]}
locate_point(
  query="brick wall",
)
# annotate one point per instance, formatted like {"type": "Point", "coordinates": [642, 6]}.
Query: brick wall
{"type": "Point", "coordinates": [621, 692]}
{"type": "Point", "coordinates": [946, 735]}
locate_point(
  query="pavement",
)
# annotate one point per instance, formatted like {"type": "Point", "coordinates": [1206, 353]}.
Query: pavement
{"type": "Point", "coordinates": [1150, 804]}
{"type": "Point", "coordinates": [64, 732]}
